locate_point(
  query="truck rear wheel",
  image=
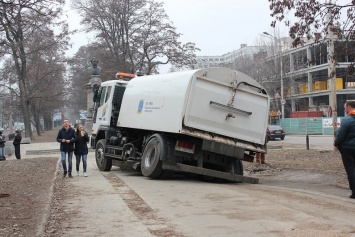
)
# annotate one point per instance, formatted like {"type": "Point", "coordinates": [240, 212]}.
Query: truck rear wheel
{"type": "Point", "coordinates": [102, 163]}
{"type": "Point", "coordinates": [151, 164]}
{"type": "Point", "coordinates": [237, 167]}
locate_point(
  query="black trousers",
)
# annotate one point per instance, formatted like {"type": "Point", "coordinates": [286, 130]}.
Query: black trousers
{"type": "Point", "coordinates": [348, 157]}
{"type": "Point", "coordinates": [17, 152]}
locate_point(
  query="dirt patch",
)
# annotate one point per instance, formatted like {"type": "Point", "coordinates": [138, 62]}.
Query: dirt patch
{"type": "Point", "coordinates": [301, 166]}
{"type": "Point", "coordinates": [46, 136]}
{"type": "Point", "coordinates": [25, 195]}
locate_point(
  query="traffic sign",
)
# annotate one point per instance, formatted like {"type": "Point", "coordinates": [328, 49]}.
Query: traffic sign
{"type": "Point", "coordinates": [283, 101]}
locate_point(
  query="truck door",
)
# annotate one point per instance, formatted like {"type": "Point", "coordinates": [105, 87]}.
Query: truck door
{"type": "Point", "coordinates": [103, 113]}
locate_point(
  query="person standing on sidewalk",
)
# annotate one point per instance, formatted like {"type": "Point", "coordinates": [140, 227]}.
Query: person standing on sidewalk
{"type": "Point", "coordinates": [345, 142]}
{"type": "Point", "coordinates": [81, 149]}
{"type": "Point", "coordinates": [2, 147]}
{"type": "Point", "coordinates": [66, 139]}
{"type": "Point", "coordinates": [16, 143]}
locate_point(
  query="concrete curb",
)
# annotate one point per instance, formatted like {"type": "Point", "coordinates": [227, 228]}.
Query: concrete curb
{"type": "Point", "coordinates": [47, 210]}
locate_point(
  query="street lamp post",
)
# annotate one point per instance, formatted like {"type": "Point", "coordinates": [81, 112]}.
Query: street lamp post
{"type": "Point", "coordinates": [282, 101]}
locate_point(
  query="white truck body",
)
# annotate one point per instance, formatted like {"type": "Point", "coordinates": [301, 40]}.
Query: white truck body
{"type": "Point", "coordinates": [200, 121]}
{"type": "Point", "coordinates": [167, 102]}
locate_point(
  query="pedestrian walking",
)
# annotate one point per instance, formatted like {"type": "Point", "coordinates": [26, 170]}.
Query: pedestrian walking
{"type": "Point", "coordinates": [2, 147]}
{"type": "Point", "coordinates": [81, 148]}
{"type": "Point", "coordinates": [66, 139]}
{"type": "Point", "coordinates": [345, 142]}
{"type": "Point", "coordinates": [16, 143]}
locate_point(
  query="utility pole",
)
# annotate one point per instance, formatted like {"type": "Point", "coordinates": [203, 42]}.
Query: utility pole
{"type": "Point", "coordinates": [282, 83]}
{"type": "Point", "coordinates": [332, 74]}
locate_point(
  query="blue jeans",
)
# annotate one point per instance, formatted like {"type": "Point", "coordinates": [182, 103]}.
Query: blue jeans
{"type": "Point", "coordinates": [84, 157]}
{"type": "Point", "coordinates": [63, 156]}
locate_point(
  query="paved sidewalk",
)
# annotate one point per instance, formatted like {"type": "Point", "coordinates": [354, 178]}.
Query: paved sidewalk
{"type": "Point", "coordinates": [96, 208]}
{"type": "Point", "coordinates": [34, 150]}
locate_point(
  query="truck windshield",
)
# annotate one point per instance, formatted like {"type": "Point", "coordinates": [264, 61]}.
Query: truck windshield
{"type": "Point", "coordinates": [108, 93]}
{"type": "Point", "coordinates": [102, 94]}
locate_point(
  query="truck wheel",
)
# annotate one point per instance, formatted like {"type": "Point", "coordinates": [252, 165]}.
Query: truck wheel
{"type": "Point", "coordinates": [102, 163]}
{"type": "Point", "coordinates": [151, 164]}
{"type": "Point", "coordinates": [237, 167]}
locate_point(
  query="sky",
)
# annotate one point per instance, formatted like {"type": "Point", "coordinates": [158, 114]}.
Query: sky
{"type": "Point", "coordinates": [215, 26]}
{"type": "Point", "coordinates": [219, 27]}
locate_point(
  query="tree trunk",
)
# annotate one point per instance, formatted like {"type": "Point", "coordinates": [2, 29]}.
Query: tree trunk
{"type": "Point", "coordinates": [36, 116]}
{"type": "Point", "coordinates": [25, 105]}
{"type": "Point", "coordinates": [48, 124]}
{"type": "Point", "coordinates": [37, 124]}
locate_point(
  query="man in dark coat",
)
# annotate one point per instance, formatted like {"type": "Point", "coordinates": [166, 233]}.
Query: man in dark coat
{"type": "Point", "coordinates": [66, 139]}
{"type": "Point", "coordinates": [16, 143]}
{"type": "Point", "coordinates": [345, 142]}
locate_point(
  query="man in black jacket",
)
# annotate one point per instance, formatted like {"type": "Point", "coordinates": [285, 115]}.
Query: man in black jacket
{"type": "Point", "coordinates": [16, 143]}
{"type": "Point", "coordinates": [66, 139]}
{"type": "Point", "coordinates": [345, 142]}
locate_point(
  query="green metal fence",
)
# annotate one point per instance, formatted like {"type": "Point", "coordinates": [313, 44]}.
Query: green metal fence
{"type": "Point", "coordinates": [310, 126]}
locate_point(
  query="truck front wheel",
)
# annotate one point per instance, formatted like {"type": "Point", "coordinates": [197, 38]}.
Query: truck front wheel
{"type": "Point", "coordinates": [102, 163]}
{"type": "Point", "coordinates": [151, 164]}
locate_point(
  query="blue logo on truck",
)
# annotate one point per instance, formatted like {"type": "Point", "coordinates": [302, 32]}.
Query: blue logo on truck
{"type": "Point", "coordinates": [140, 106]}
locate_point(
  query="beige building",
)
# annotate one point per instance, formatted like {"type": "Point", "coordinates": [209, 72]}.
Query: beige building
{"type": "Point", "coordinates": [230, 59]}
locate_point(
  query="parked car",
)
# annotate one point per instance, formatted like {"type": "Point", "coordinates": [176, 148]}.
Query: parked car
{"type": "Point", "coordinates": [275, 131]}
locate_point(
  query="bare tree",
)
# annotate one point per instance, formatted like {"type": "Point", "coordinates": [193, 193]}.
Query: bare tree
{"type": "Point", "coordinates": [137, 34]}
{"type": "Point", "coordinates": [20, 20]}
{"type": "Point", "coordinates": [314, 17]}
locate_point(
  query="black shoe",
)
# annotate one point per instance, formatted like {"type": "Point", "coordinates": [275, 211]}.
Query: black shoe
{"type": "Point", "coordinates": [65, 174]}
{"type": "Point", "coordinates": [352, 196]}
{"type": "Point", "coordinates": [70, 176]}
